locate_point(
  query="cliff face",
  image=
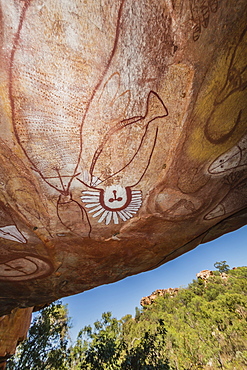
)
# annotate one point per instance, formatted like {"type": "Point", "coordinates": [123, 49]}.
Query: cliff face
{"type": "Point", "coordinates": [123, 138]}
{"type": "Point", "coordinates": [172, 292]}
{"type": "Point", "coordinates": [158, 293]}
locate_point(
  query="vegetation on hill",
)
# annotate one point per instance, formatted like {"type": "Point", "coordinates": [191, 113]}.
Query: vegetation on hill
{"type": "Point", "coordinates": [203, 326]}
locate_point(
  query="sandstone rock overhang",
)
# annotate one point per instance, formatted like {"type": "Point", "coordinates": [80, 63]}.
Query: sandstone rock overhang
{"type": "Point", "coordinates": [123, 138]}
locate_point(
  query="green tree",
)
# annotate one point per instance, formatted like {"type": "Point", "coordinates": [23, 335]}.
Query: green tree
{"type": "Point", "coordinates": [222, 266]}
{"type": "Point", "coordinates": [203, 326]}
{"type": "Point", "coordinates": [102, 345]}
{"type": "Point", "coordinates": [206, 323]}
{"type": "Point", "coordinates": [46, 347]}
{"type": "Point", "coordinates": [108, 346]}
{"type": "Point", "coordinates": [148, 354]}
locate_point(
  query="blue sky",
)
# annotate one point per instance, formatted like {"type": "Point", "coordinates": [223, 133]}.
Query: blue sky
{"type": "Point", "coordinates": [122, 297]}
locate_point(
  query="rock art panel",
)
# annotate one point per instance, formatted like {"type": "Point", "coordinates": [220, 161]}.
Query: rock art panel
{"type": "Point", "coordinates": [8, 229]}
{"type": "Point", "coordinates": [234, 201]}
{"type": "Point", "coordinates": [230, 96]}
{"type": "Point", "coordinates": [123, 138]}
{"type": "Point", "coordinates": [233, 159]}
{"type": "Point", "coordinates": [24, 268]}
{"type": "Point", "coordinates": [200, 12]}
{"type": "Point", "coordinates": [73, 216]}
{"type": "Point", "coordinates": [113, 203]}
{"type": "Point", "coordinates": [12, 233]}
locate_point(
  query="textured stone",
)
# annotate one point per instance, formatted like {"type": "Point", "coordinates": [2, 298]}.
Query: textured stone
{"type": "Point", "coordinates": [123, 138]}
{"type": "Point", "coordinates": [13, 329]}
{"type": "Point", "coordinates": [145, 301]}
{"type": "Point", "coordinates": [204, 274]}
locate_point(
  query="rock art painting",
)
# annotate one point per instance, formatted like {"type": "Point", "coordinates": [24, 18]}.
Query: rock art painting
{"type": "Point", "coordinates": [8, 228]}
{"type": "Point", "coordinates": [121, 134]}
{"type": "Point", "coordinates": [130, 137]}
{"type": "Point", "coordinates": [200, 12]}
{"type": "Point", "coordinates": [234, 201]}
{"type": "Point", "coordinates": [174, 205]}
{"type": "Point", "coordinates": [113, 203]}
{"type": "Point", "coordinates": [73, 216]}
{"type": "Point", "coordinates": [24, 268]}
{"type": "Point", "coordinates": [233, 159]}
{"type": "Point", "coordinates": [230, 164]}
{"type": "Point", "coordinates": [117, 202]}
{"type": "Point", "coordinates": [123, 138]}
{"type": "Point", "coordinates": [232, 94]}
{"type": "Point", "coordinates": [11, 232]}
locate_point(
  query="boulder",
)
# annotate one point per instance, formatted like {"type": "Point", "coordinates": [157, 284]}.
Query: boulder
{"type": "Point", "coordinates": [145, 301]}
{"type": "Point", "coordinates": [204, 274]}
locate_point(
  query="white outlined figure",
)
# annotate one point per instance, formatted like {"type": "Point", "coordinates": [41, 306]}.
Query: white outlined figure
{"type": "Point", "coordinates": [8, 228]}
{"type": "Point", "coordinates": [117, 201]}
{"type": "Point", "coordinates": [113, 203]}
{"type": "Point", "coordinates": [234, 158]}
{"type": "Point", "coordinates": [22, 268]}
{"type": "Point", "coordinates": [11, 232]}
{"type": "Point", "coordinates": [62, 116]}
{"type": "Point", "coordinates": [108, 154]}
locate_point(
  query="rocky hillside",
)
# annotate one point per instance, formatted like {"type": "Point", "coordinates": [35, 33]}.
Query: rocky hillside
{"type": "Point", "coordinates": [204, 275]}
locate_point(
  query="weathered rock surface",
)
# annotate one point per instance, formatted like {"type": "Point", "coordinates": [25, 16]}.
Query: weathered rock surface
{"type": "Point", "coordinates": [204, 274]}
{"type": "Point", "coordinates": [123, 138]}
{"type": "Point", "coordinates": [13, 329]}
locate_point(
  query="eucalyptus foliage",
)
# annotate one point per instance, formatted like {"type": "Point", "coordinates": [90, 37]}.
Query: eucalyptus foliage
{"type": "Point", "coordinates": [46, 347]}
{"type": "Point", "coordinates": [204, 326]}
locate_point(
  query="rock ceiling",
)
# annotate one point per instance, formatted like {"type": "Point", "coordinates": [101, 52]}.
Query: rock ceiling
{"type": "Point", "coordinates": [123, 138]}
